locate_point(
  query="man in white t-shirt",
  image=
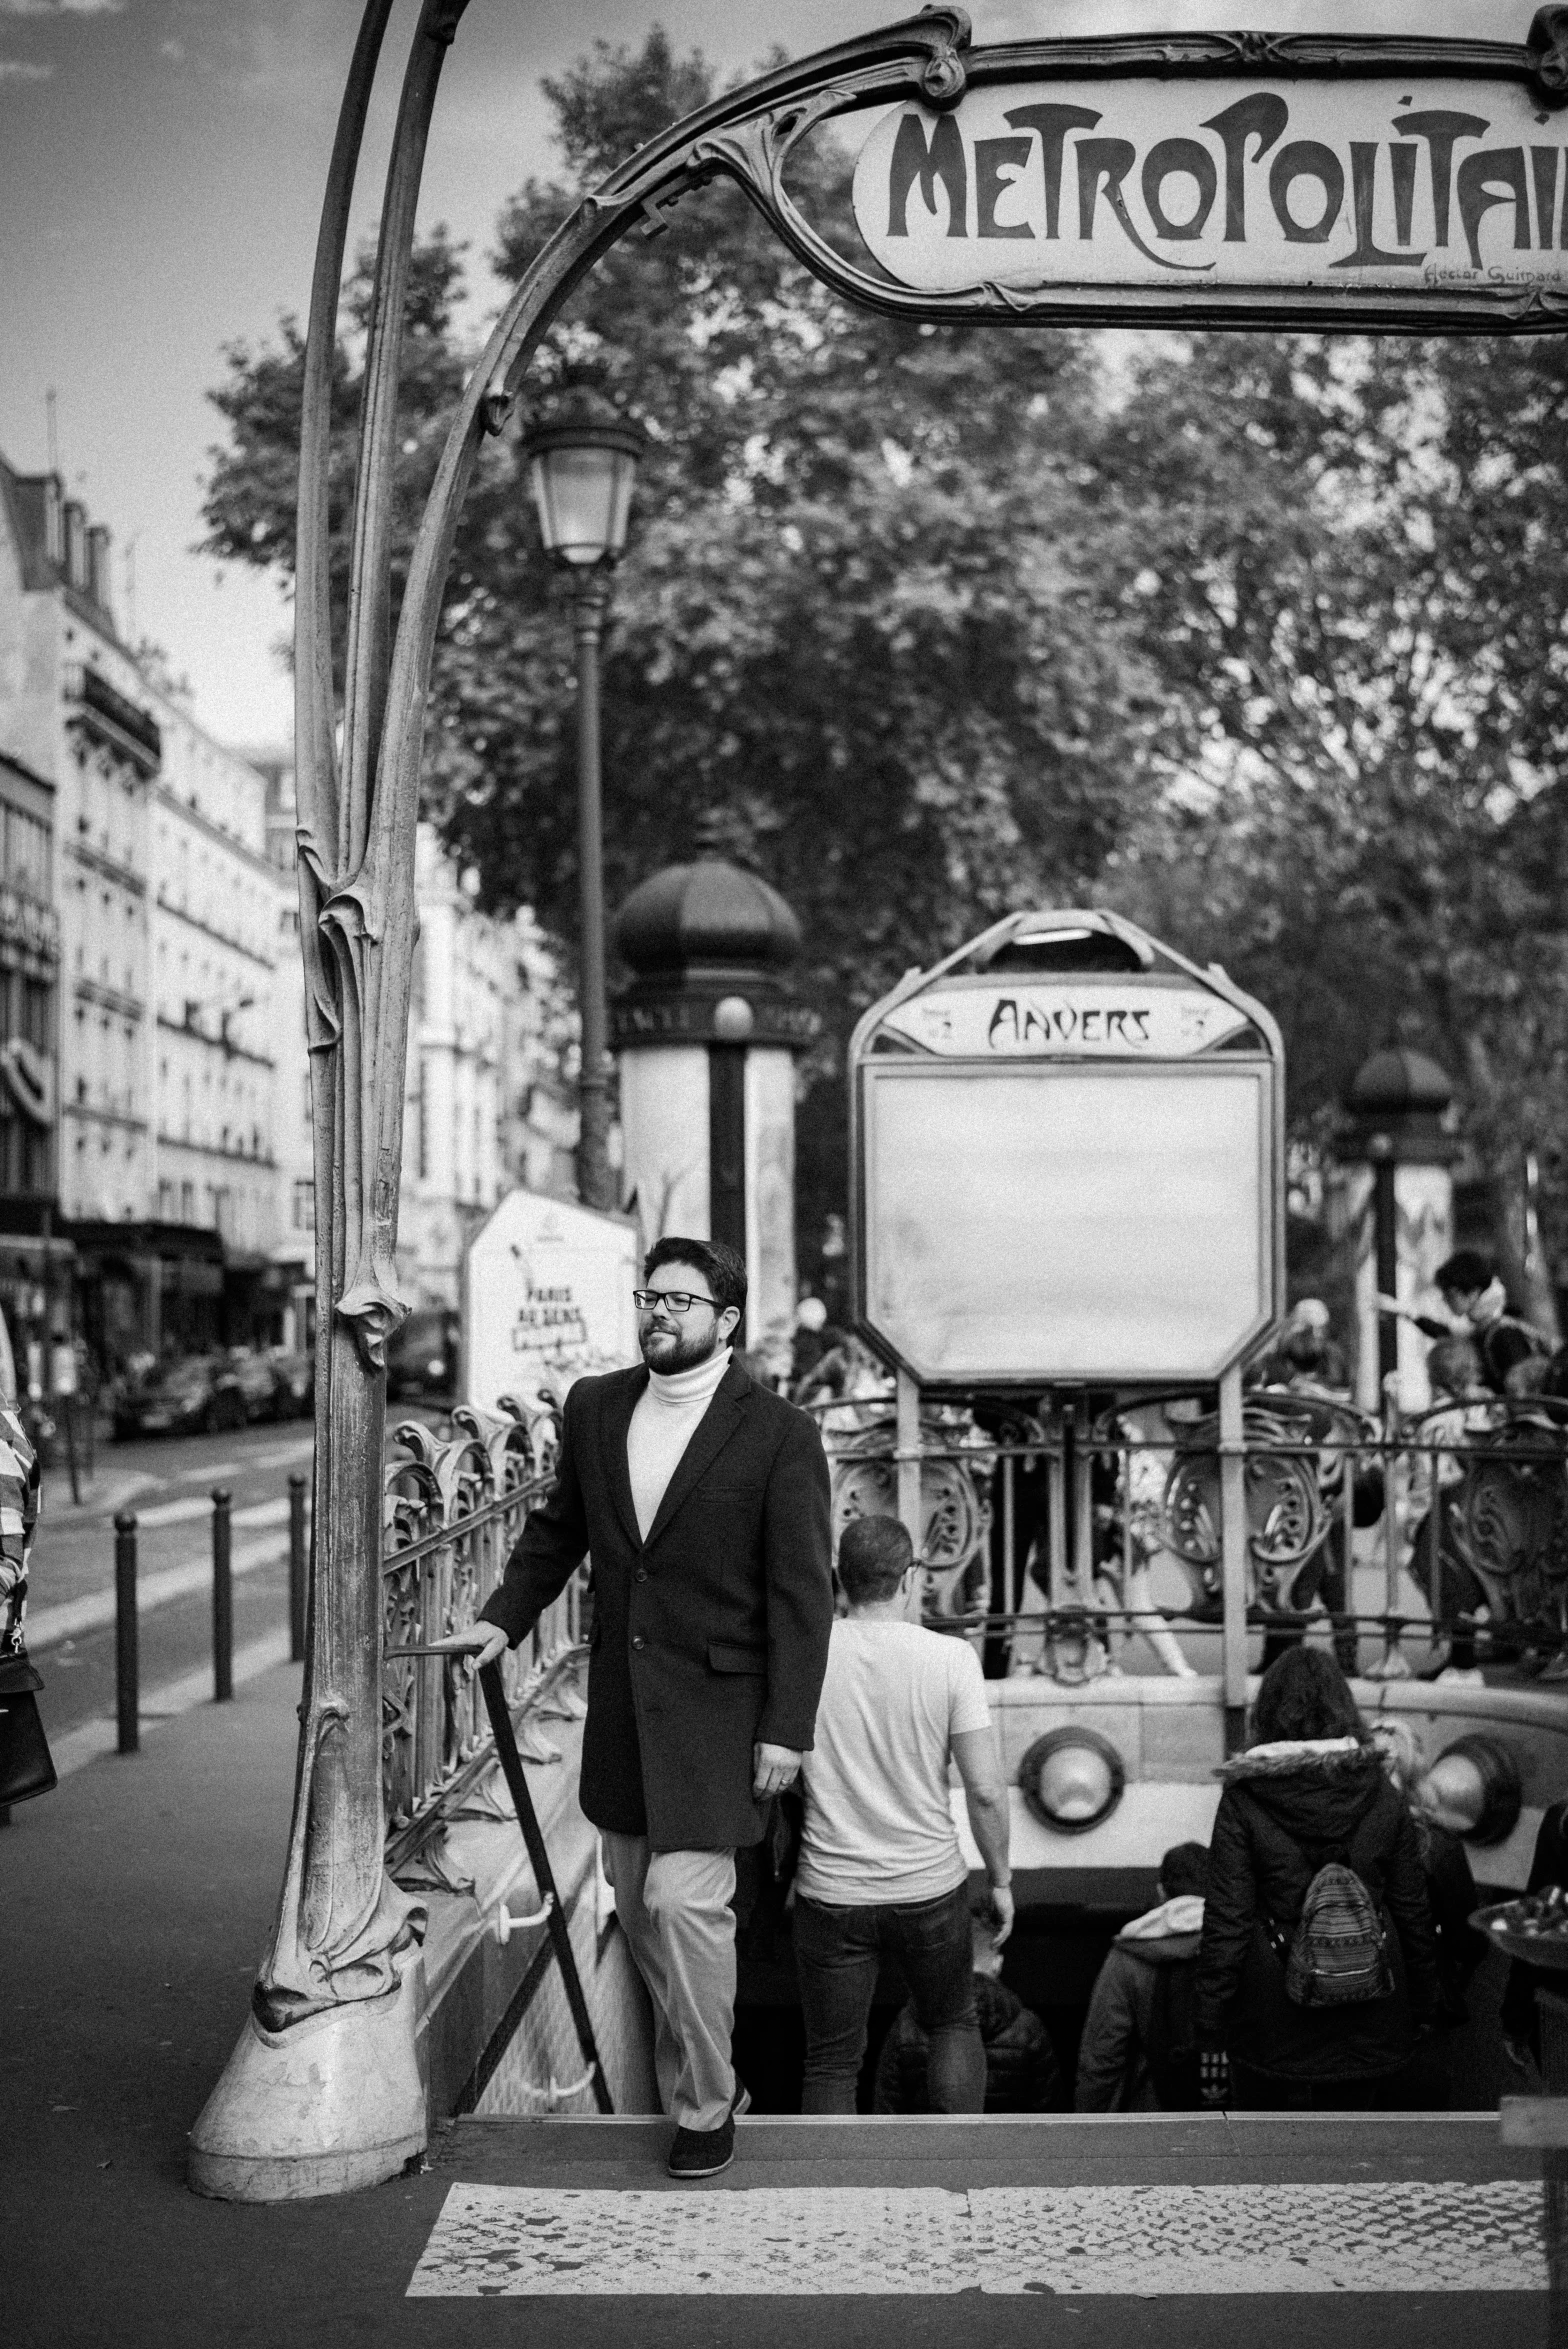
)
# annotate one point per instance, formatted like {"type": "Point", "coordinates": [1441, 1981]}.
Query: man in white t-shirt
{"type": "Point", "coordinates": [880, 1865]}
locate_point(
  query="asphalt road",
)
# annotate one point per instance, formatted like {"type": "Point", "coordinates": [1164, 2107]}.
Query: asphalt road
{"type": "Point", "coordinates": [168, 1484]}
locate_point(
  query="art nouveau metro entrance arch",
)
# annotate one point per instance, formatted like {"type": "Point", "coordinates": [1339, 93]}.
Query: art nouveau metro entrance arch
{"type": "Point", "coordinates": [1348, 180]}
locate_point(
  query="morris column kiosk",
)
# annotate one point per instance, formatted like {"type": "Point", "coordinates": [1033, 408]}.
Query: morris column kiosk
{"type": "Point", "coordinates": [707, 1036]}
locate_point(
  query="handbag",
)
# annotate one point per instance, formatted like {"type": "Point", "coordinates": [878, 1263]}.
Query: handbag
{"type": "Point", "coordinates": [26, 1767]}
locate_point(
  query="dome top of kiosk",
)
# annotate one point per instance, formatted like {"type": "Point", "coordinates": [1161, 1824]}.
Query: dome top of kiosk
{"type": "Point", "coordinates": [705, 915]}
{"type": "Point", "coordinates": [1397, 1082]}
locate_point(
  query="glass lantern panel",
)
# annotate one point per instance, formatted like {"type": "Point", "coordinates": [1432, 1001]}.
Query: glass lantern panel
{"type": "Point", "coordinates": [580, 500]}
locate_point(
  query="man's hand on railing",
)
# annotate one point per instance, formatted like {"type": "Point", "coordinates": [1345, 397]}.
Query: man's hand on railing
{"type": "Point", "coordinates": [480, 1644]}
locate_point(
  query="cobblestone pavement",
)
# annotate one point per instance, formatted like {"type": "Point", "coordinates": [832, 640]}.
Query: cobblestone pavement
{"type": "Point", "coordinates": [1426, 2236]}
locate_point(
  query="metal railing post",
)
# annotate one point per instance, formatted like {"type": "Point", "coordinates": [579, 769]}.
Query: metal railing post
{"type": "Point", "coordinates": [1233, 1559]}
{"type": "Point", "coordinates": [127, 1692]}
{"type": "Point", "coordinates": [296, 1568]}
{"type": "Point", "coordinates": [222, 1597]}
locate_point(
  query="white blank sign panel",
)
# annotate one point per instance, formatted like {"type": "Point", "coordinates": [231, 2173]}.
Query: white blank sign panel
{"type": "Point", "coordinates": [1068, 1223]}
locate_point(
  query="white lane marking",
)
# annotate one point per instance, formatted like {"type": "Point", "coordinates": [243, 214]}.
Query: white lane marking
{"type": "Point", "coordinates": [47, 1626]}
{"type": "Point", "coordinates": [1145, 2241]}
{"type": "Point", "coordinates": [175, 1512]}
{"type": "Point", "coordinates": [80, 1746]}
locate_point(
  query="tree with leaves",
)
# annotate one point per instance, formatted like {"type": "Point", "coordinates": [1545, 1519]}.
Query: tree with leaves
{"type": "Point", "coordinates": [853, 643]}
{"type": "Point", "coordinates": [1347, 558]}
{"type": "Point", "coordinates": [1261, 637]}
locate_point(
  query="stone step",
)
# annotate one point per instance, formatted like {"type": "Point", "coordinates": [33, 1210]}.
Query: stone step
{"type": "Point", "coordinates": [1182, 2205]}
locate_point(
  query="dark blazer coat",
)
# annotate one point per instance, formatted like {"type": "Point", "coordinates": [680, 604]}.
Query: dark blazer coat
{"type": "Point", "coordinates": [707, 1637]}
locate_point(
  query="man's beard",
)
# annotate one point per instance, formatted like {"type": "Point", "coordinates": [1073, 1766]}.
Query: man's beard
{"type": "Point", "coordinates": [667, 1352]}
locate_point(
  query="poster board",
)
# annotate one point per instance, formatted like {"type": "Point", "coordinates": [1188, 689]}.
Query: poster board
{"type": "Point", "coordinates": [547, 1297]}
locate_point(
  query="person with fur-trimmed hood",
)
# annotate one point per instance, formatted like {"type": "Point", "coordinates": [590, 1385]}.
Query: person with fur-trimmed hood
{"type": "Point", "coordinates": [1309, 1791]}
{"type": "Point", "coordinates": [1139, 2049]}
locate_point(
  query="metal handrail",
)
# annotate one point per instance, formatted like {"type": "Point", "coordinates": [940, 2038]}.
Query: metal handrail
{"type": "Point", "coordinates": [463, 1501]}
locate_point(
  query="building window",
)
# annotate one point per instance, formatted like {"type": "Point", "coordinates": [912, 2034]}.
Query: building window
{"type": "Point", "coordinates": [187, 1202]}
{"type": "Point", "coordinates": [305, 1205]}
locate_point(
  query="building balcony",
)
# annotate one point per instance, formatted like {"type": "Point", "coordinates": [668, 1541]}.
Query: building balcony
{"type": "Point", "coordinates": [110, 717]}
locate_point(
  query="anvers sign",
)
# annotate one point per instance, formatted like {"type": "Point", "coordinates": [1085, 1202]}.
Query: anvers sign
{"type": "Point", "coordinates": [1416, 187]}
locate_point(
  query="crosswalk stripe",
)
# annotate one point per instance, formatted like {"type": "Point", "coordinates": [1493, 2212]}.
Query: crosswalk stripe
{"type": "Point", "coordinates": [1148, 2241]}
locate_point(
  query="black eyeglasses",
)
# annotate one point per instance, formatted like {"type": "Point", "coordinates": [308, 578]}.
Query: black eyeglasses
{"type": "Point", "coordinates": [678, 1300]}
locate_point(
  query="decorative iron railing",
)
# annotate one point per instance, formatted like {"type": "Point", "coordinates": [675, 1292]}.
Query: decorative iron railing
{"type": "Point", "coordinates": [453, 1510]}
{"type": "Point", "coordinates": [1042, 1531]}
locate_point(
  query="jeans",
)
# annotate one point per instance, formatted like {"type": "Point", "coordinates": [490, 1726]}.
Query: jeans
{"type": "Point", "coordinates": [837, 1953]}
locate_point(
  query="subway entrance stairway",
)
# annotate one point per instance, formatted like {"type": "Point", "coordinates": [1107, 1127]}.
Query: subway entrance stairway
{"type": "Point", "coordinates": [133, 1903]}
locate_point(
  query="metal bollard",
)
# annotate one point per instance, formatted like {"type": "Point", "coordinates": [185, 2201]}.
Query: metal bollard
{"type": "Point", "coordinates": [222, 1599]}
{"type": "Point", "coordinates": [296, 1567]}
{"type": "Point", "coordinates": [127, 1669]}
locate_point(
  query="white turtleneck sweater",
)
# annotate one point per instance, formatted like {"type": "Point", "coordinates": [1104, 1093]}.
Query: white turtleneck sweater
{"type": "Point", "coordinates": [662, 1425]}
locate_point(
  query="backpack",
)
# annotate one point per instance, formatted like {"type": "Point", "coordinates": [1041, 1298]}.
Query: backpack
{"type": "Point", "coordinates": [1171, 2049]}
{"type": "Point", "coordinates": [1338, 1954]}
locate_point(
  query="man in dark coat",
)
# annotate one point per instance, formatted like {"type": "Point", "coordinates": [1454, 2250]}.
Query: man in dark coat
{"type": "Point", "coordinates": [702, 1499]}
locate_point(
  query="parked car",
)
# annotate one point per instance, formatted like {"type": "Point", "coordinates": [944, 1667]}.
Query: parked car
{"type": "Point", "coordinates": [293, 1383]}
{"type": "Point", "coordinates": [252, 1370]}
{"type": "Point", "coordinates": [198, 1392]}
{"type": "Point", "coordinates": [422, 1356]}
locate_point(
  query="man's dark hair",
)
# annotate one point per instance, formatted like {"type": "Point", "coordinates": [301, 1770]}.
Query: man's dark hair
{"type": "Point", "coordinates": [1185, 1869]}
{"type": "Point", "coordinates": [874, 1556]}
{"type": "Point", "coordinates": [1305, 1694]}
{"type": "Point", "coordinates": [721, 1267]}
{"type": "Point", "coordinates": [1466, 1270]}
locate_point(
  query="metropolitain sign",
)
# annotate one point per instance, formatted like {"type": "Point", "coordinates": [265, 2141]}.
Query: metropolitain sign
{"type": "Point", "coordinates": [1204, 189]}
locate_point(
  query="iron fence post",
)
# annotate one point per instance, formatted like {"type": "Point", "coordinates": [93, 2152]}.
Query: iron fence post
{"type": "Point", "coordinates": [296, 1567]}
{"type": "Point", "coordinates": [127, 1693]}
{"type": "Point", "coordinates": [222, 1598]}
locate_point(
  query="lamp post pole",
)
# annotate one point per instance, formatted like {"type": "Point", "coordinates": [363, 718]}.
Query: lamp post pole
{"type": "Point", "coordinates": [581, 468]}
{"type": "Point", "coordinates": [590, 595]}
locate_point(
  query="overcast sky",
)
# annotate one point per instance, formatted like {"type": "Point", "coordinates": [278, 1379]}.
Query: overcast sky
{"type": "Point", "coordinates": [161, 166]}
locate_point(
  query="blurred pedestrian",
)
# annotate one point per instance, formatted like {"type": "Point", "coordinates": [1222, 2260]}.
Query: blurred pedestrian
{"type": "Point", "coordinates": [881, 1872]}
{"type": "Point", "coordinates": [25, 1765]}
{"type": "Point", "coordinates": [1021, 2073]}
{"type": "Point", "coordinates": [810, 1340]}
{"type": "Point", "coordinates": [1445, 1863]}
{"type": "Point", "coordinates": [1512, 1352]}
{"type": "Point", "coordinates": [1139, 2050]}
{"type": "Point", "coordinates": [1439, 1563]}
{"type": "Point", "coordinates": [1318, 1962]}
{"type": "Point", "coordinates": [1520, 2017]}
{"type": "Point", "coordinates": [1308, 1355]}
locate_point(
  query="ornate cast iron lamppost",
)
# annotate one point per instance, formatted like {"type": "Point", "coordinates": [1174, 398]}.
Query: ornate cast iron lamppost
{"type": "Point", "coordinates": [583, 470]}
{"type": "Point", "coordinates": [323, 2091]}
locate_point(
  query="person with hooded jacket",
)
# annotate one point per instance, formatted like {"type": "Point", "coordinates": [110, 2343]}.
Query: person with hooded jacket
{"type": "Point", "coordinates": [1131, 2045]}
{"type": "Point", "coordinates": [1311, 1789]}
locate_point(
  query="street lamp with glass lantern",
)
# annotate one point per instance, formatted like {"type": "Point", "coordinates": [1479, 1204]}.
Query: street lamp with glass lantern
{"type": "Point", "coordinates": [582, 468]}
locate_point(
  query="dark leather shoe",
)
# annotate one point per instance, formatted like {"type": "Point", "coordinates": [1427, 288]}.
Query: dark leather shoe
{"type": "Point", "coordinates": [702, 2153]}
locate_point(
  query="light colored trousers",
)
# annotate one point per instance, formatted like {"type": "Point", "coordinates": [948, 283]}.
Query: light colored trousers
{"type": "Point", "coordinates": [674, 1908]}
